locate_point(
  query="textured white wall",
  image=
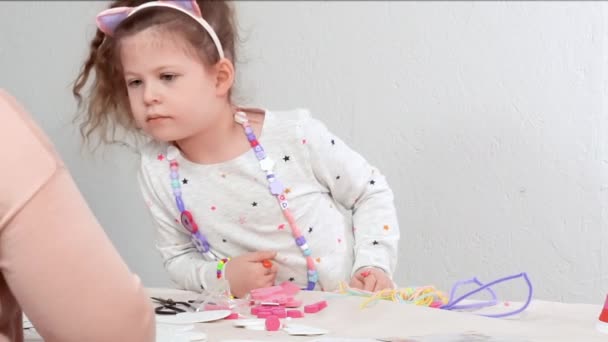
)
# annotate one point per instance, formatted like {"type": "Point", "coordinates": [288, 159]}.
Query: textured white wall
{"type": "Point", "coordinates": [488, 118]}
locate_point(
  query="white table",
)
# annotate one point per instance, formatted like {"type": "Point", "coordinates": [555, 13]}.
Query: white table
{"type": "Point", "coordinates": [542, 321]}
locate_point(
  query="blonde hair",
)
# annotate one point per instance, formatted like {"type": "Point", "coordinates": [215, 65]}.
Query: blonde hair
{"type": "Point", "coordinates": [105, 108]}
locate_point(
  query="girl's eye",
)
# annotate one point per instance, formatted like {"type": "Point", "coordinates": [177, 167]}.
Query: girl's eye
{"type": "Point", "coordinates": [134, 83]}
{"type": "Point", "coordinates": [168, 77]}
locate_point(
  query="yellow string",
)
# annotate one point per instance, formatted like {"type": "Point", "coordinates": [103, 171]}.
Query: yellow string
{"type": "Point", "coordinates": [422, 296]}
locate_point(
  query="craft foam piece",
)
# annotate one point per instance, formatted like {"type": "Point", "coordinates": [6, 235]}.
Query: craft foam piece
{"type": "Point", "coordinates": [273, 323]}
{"type": "Point", "coordinates": [290, 288]}
{"type": "Point", "coordinates": [264, 314]}
{"type": "Point", "coordinates": [295, 314]}
{"type": "Point", "coordinates": [322, 305]}
{"type": "Point", "coordinates": [312, 308]}
{"type": "Point", "coordinates": [294, 303]}
{"type": "Point", "coordinates": [281, 313]}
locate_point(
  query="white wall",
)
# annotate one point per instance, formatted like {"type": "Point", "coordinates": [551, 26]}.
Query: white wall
{"type": "Point", "coordinates": [488, 118]}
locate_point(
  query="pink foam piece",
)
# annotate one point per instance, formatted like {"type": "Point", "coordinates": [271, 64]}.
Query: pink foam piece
{"type": "Point", "coordinates": [312, 308]}
{"type": "Point", "coordinates": [322, 305]}
{"type": "Point", "coordinates": [281, 299]}
{"type": "Point", "coordinates": [255, 310]}
{"type": "Point", "coordinates": [273, 323]}
{"type": "Point", "coordinates": [281, 313]}
{"type": "Point", "coordinates": [295, 314]}
{"type": "Point", "coordinates": [290, 288]}
{"type": "Point", "coordinates": [234, 315]}
{"type": "Point", "coordinates": [294, 303]}
{"type": "Point", "coordinates": [265, 292]}
{"type": "Point", "coordinates": [264, 314]}
{"type": "Point", "coordinates": [270, 307]}
{"type": "Point", "coordinates": [278, 310]}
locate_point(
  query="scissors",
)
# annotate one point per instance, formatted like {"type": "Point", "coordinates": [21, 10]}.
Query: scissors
{"type": "Point", "coordinates": [171, 307]}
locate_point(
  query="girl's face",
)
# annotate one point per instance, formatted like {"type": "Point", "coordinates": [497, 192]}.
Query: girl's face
{"type": "Point", "coordinates": [172, 94]}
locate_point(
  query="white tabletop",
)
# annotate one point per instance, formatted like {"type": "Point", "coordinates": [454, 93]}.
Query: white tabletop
{"type": "Point", "coordinates": [542, 321]}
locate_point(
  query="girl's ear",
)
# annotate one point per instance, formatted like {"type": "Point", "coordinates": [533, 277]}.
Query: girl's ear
{"type": "Point", "coordinates": [224, 76]}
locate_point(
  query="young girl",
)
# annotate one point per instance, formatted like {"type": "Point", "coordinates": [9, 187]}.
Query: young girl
{"type": "Point", "coordinates": [254, 196]}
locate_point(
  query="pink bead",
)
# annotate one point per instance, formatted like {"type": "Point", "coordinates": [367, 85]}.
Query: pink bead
{"type": "Point", "coordinates": [264, 314]}
{"type": "Point", "coordinates": [295, 314]}
{"type": "Point", "coordinates": [312, 308]}
{"type": "Point", "coordinates": [255, 310]}
{"type": "Point", "coordinates": [310, 263]}
{"type": "Point", "coordinates": [272, 323]}
{"type": "Point", "coordinates": [290, 219]}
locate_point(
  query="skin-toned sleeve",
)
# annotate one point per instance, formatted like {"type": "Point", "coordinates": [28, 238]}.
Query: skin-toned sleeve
{"type": "Point", "coordinates": [56, 259]}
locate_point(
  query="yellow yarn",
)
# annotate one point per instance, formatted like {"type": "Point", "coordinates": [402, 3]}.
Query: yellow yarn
{"type": "Point", "coordinates": [423, 296]}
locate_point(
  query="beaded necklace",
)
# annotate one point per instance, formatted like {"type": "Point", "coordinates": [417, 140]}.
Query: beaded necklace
{"type": "Point", "coordinates": [276, 189]}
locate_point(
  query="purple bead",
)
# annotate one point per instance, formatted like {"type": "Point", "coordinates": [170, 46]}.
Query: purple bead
{"type": "Point", "coordinates": [248, 130]}
{"type": "Point", "coordinates": [180, 204]}
{"type": "Point", "coordinates": [300, 240]}
{"type": "Point", "coordinates": [311, 286]}
{"type": "Point", "coordinates": [276, 188]}
{"type": "Point", "coordinates": [177, 192]}
{"type": "Point", "coordinates": [251, 137]}
{"type": "Point", "coordinates": [204, 244]}
{"type": "Point", "coordinates": [258, 148]}
{"type": "Point", "coordinates": [174, 175]}
{"type": "Point", "coordinates": [260, 155]}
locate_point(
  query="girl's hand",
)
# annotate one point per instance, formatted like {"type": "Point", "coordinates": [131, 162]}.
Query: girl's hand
{"type": "Point", "coordinates": [371, 279]}
{"type": "Point", "coordinates": [249, 271]}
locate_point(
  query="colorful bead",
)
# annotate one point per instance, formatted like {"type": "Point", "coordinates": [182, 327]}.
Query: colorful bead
{"type": "Point", "coordinates": [241, 118]}
{"type": "Point", "coordinates": [276, 188]}
{"type": "Point", "coordinates": [175, 183]}
{"type": "Point", "coordinates": [200, 242]}
{"type": "Point", "coordinates": [260, 155]}
{"type": "Point", "coordinates": [300, 240]}
{"type": "Point", "coordinates": [180, 203]}
{"type": "Point", "coordinates": [220, 267]}
{"type": "Point", "coordinates": [188, 222]}
{"type": "Point", "coordinates": [267, 164]}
